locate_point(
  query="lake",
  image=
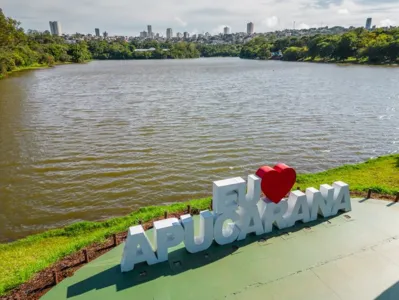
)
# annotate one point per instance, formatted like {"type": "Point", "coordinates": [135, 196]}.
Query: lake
{"type": "Point", "coordinates": [93, 141]}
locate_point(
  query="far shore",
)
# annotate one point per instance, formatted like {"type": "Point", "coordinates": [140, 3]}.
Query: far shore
{"type": "Point", "coordinates": [341, 63]}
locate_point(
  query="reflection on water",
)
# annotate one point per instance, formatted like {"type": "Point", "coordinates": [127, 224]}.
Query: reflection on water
{"type": "Point", "coordinates": [86, 142]}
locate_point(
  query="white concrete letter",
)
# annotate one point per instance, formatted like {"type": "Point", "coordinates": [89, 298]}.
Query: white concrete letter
{"type": "Point", "coordinates": [320, 202]}
{"type": "Point", "coordinates": [227, 194]}
{"type": "Point", "coordinates": [226, 234]}
{"type": "Point", "coordinates": [137, 249]}
{"type": "Point", "coordinates": [342, 199]}
{"type": "Point", "coordinates": [204, 240]}
{"type": "Point", "coordinates": [298, 209]}
{"type": "Point", "coordinates": [167, 233]}
{"type": "Point", "coordinates": [248, 211]}
{"type": "Point", "coordinates": [272, 213]}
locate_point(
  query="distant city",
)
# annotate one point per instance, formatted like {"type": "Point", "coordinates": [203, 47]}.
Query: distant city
{"type": "Point", "coordinates": [225, 37]}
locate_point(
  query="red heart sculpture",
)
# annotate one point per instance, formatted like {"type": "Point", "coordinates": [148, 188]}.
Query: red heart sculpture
{"type": "Point", "coordinates": [276, 182]}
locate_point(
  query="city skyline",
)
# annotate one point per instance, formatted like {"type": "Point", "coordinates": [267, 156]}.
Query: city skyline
{"type": "Point", "coordinates": [55, 28]}
{"type": "Point", "coordinates": [267, 15]}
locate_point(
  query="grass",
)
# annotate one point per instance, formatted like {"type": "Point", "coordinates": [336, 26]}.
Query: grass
{"type": "Point", "coordinates": [35, 66]}
{"type": "Point", "coordinates": [20, 260]}
{"type": "Point", "coordinates": [349, 60]}
{"type": "Point", "coordinates": [380, 174]}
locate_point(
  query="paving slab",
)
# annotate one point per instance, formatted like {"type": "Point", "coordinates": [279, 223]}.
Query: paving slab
{"type": "Point", "coordinates": [353, 255]}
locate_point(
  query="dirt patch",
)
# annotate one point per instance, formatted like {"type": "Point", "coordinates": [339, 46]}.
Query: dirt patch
{"type": "Point", "coordinates": [374, 196]}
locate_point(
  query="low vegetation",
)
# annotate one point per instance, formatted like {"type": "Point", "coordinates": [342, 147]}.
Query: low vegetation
{"type": "Point", "coordinates": [20, 260]}
{"type": "Point", "coordinates": [381, 175]}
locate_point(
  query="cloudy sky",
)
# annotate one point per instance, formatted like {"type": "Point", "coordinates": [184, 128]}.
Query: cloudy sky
{"type": "Point", "coordinates": [129, 17]}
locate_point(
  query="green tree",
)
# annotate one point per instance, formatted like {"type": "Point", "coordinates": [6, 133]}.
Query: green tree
{"type": "Point", "coordinates": [79, 52]}
{"type": "Point", "coordinates": [294, 53]}
{"type": "Point", "coordinates": [347, 46]}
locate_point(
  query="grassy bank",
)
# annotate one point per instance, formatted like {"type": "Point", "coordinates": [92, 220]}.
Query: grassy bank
{"type": "Point", "coordinates": [35, 66]}
{"type": "Point", "coordinates": [20, 260]}
{"type": "Point", "coordinates": [349, 60]}
{"type": "Point", "coordinates": [381, 175]}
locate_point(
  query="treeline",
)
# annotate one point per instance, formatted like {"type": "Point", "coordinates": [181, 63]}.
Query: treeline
{"type": "Point", "coordinates": [219, 50]}
{"type": "Point", "coordinates": [22, 50]}
{"type": "Point", "coordinates": [101, 49]}
{"type": "Point", "coordinates": [380, 46]}
{"type": "Point", "coordinates": [19, 50]}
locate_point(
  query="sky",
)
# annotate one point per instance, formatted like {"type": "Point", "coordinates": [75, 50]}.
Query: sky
{"type": "Point", "coordinates": [129, 17]}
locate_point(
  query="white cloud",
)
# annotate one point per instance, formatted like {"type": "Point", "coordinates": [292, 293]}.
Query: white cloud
{"type": "Point", "coordinates": [127, 17]}
{"type": "Point", "coordinates": [180, 21]}
{"type": "Point", "coordinates": [219, 29]}
{"type": "Point", "coordinates": [303, 26]}
{"type": "Point", "coordinates": [343, 11]}
{"type": "Point", "coordinates": [195, 31]}
{"type": "Point", "coordinates": [387, 23]}
{"type": "Point", "coordinates": [271, 22]}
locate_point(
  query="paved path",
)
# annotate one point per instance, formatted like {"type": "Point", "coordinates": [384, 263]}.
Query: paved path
{"type": "Point", "coordinates": [351, 256]}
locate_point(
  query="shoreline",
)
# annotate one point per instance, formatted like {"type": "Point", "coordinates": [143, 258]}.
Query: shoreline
{"type": "Point", "coordinates": [34, 68]}
{"type": "Point", "coordinates": [343, 62]}
{"type": "Point", "coordinates": [338, 63]}
{"type": "Point", "coordinates": [351, 62]}
{"type": "Point", "coordinates": [21, 260]}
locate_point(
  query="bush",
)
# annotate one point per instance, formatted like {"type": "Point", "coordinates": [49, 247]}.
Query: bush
{"type": "Point", "coordinates": [294, 54]}
{"type": "Point", "coordinates": [7, 63]}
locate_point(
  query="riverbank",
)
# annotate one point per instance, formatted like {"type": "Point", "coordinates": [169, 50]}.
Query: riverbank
{"type": "Point", "coordinates": [21, 69]}
{"type": "Point", "coordinates": [22, 259]}
{"type": "Point", "coordinates": [33, 67]}
{"type": "Point", "coordinates": [349, 61]}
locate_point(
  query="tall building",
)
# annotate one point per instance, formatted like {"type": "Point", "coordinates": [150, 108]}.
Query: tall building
{"type": "Point", "coordinates": [97, 30]}
{"type": "Point", "coordinates": [186, 35]}
{"type": "Point", "coordinates": [179, 35]}
{"type": "Point", "coordinates": [105, 34]}
{"type": "Point", "coordinates": [226, 30]}
{"type": "Point", "coordinates": [368, 23]}
{"type": "Point", "coordinates": [149, 27]}
{"type": "Point", "coordinates": [55, 28]}
{"type": "Point", "coordinates": [250, 28]}
{"type": "Point", "coordinates": [169, 33]}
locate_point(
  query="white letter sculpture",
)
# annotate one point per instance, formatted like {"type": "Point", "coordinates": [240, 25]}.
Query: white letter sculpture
{"type": "Point", "coordinates": [137, 249]}
{"type": "Point", "coordinates": [167, 233]}
{"type": "Point", "coordinates": [226, 196]}
{"type": "Point", "coordinates": [205, 238]}
{"type": "Point", "coordinates": [248, 211]}
{"type": "Point", "coordinates": [234, 201]}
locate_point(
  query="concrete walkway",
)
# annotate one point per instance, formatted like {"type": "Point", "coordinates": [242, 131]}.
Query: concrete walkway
{"type": "Point", "coordinates": [351, 256]}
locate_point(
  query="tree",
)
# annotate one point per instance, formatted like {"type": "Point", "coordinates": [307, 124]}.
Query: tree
{"type": "Point", "coordinates": [347, 46]}
{"type": "Point", "coordinates": [264, 52]}
{"type": "Point", "coordinates": [294, 53]}
{"type": "Point", "coordinates": [79, 52]}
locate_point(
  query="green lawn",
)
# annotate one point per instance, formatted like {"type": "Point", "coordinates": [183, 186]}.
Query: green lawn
{"type": "Point", "coordinates": [380, 174]}
{"type": "Point", "coordinates": [20, 260]}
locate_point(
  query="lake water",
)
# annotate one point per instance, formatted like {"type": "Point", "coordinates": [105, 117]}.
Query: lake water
{"type": "Point", "coordinates": [88, 142]}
